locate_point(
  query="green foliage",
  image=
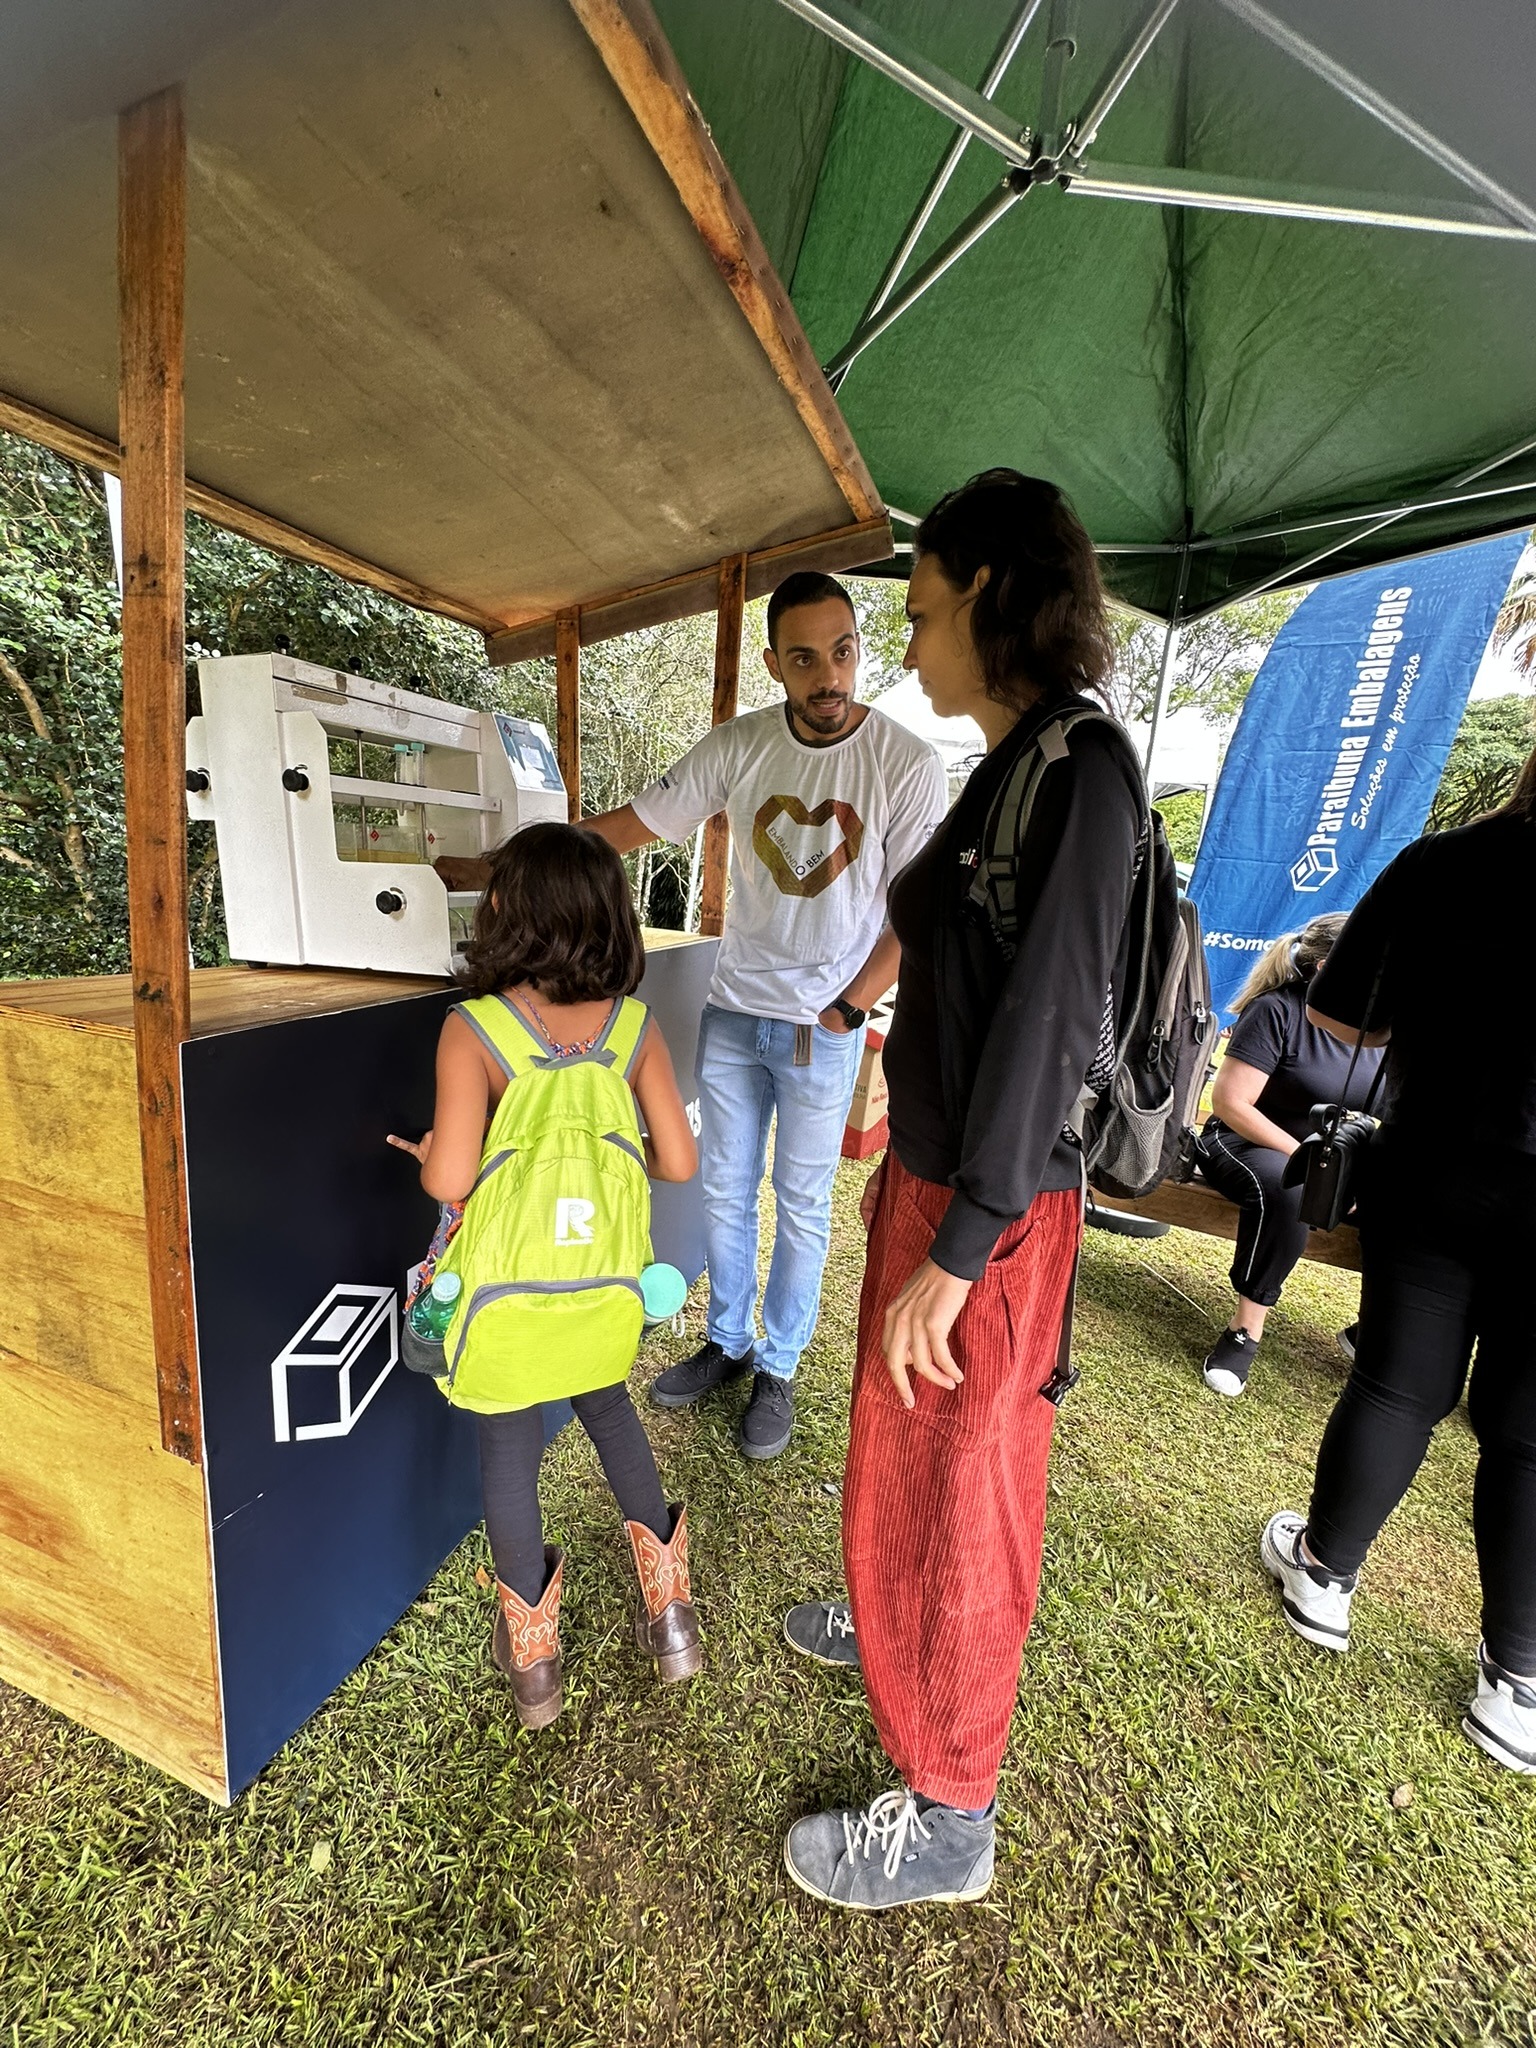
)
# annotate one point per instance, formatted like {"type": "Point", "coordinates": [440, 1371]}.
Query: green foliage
{"type": "Point", "coordinates": [63, 904]}
{"type": "Point", "coordinates": [1515, 627]}
{"type": "Point", "coordinates": [1218, 657]}
{"type": "Point", "coordinates": [1489, 750]}
{"type": "Point", "coordinates": [1182, 815]}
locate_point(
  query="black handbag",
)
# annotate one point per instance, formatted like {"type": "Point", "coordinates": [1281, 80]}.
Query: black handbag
{"type": "Point", "coordinates": [1326, 1164]}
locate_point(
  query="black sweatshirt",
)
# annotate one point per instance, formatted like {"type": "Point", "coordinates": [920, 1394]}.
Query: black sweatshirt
{"type": "Point", "coordinates": [986, 1059]}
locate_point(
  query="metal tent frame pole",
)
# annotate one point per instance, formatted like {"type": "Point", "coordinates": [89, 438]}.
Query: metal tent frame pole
{"type": "Point", "coordinates": [1294, 572]}
{"type": "Point", "coordinates": [1057, 154]}
{"type": "Point", "coordinates": [950, 163]}
{"type": "Point", "coordinates": [1165, 672]}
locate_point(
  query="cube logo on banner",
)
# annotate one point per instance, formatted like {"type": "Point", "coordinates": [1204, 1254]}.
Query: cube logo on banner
{"type": "Point", "coordinates": [352, 1339]}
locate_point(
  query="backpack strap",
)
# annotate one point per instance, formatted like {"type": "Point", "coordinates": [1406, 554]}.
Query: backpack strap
{"type": "Point", "coordinates": [993, 890]}
{"type": "Point", "coordinates": [518, 1049]}
{"type": "Point", "coordinates": [622, 1041]}
{"type": "Point", "coordinates": [499, 1028]}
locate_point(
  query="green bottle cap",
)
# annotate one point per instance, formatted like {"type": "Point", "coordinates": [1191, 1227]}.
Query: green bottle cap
{"type": "Point", "coordinates": [446, 1287]}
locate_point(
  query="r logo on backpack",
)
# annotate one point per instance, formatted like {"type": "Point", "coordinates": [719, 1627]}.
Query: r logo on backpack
{"type": "Point", "coordinates": [573, 1220]}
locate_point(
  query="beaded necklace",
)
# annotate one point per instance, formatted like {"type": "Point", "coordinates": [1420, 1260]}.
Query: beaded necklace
{"type": "Point", "coordinates": [577, 1047]}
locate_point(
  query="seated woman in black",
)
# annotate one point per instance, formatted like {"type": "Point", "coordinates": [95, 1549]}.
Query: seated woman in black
{"type": "Point", "coordinates": [1277, 1065]}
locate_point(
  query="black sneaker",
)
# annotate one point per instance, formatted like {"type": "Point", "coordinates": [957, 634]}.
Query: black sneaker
{"type": "Point", "coordinates": [1347, 1340]}
{"type": "Point", "coordinates": [710, 1367]}
{"type": "Point", "coordinates": [769, 1421]}
{"type": "Point", "coordinates": [823, 1629]}
{"type": "Point", "coordinates": [1229, 1362]}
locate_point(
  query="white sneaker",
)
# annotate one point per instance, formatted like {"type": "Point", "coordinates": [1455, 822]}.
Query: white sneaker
{"type": "Point", "coordinates": [1316, 1602]}
{"type": "Point", "coordinates": [1502, 1717]}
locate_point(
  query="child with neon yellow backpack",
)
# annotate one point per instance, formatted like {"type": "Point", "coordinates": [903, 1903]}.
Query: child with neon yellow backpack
{"type": "Point", "coordinates": [540, 1075]}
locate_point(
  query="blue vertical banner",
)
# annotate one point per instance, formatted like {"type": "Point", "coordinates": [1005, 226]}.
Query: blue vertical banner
{"type": "Point", "coordinates": [1340, 747]}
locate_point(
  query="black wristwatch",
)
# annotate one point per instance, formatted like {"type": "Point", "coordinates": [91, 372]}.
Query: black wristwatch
{"type": "Point", "coordinates": [850, 1014]}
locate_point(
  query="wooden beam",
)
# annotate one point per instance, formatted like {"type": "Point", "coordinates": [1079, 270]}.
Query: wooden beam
{"type": "Point", "coordinates": [151, 266]}
{"type": "Point", "coordinates": [731, 602]}
{"type": "Point", "coordinates": [78, 444]}
{"type": "Point", "coordinates": [632, 45]}
{"type": "Point", "coordinates": [568, 707]}
{"type": "Point", "coordinates": [697, 590]}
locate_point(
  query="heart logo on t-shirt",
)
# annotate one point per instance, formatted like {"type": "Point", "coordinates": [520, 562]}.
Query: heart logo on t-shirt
{"type": "Point", "coordinates": [818, 867]}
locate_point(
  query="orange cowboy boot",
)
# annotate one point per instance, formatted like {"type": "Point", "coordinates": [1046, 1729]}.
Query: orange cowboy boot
{"type": "Point", "coordinates": [666, 1626]}
{"type": "Point", "coordinates": [525, 1645]}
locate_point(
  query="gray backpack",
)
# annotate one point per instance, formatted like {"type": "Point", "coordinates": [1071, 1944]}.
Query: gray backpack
{"type": "Point", "coordinates": [1142, 1093]}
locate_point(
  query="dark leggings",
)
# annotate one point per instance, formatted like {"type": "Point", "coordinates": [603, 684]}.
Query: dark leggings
{"type": "Point", "coordinates": [511, 1447]}
{"type": "Point", "coordinates": [1448, 1256]}
{"type": "Point", "coordinates": [1271, 1236]}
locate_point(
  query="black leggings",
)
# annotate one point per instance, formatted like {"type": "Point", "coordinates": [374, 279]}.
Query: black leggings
{"type": "Point", "coordinates": [511, 1447]}
{"type": "Point", "coordinates": [1271, 1236]}
{"type": "Point", "coordinates": [1449, 1258]}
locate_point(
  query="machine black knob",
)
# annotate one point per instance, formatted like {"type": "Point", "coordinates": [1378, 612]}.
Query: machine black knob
{"type": "Point", "coordinates": [197, 781]}
{"type": "Point", "coordinates": [281, 644]}
{"type": "Point", "coordinates": [295, 779]}
{"type": "Point", "coordinates": [354, 664]}
{"type": "Point", "coordinates": [389, 901]}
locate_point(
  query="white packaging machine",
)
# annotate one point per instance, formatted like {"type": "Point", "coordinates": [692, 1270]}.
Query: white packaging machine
{"type": "Point", "coordinates": [332, 796]}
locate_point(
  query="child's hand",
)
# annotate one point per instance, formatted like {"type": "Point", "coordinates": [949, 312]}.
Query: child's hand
{"type": "Point", "coordinates": [418, 1150]}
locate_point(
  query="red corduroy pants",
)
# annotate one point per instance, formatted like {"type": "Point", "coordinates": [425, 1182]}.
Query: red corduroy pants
{"type": "Point", "coordinates": [944, 1503]}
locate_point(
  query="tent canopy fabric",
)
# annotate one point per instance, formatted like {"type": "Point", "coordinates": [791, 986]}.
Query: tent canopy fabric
{"type": "Point", "coordinates": [448, 309]}
{"type": "Point", "coordinates": [1187, 375]}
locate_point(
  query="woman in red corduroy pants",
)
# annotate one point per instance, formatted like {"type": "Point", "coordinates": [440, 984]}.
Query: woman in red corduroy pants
{"type": "Point", "coordinates": [1012, 930]}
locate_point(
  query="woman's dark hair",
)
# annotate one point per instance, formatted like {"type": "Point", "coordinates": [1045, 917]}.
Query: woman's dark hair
{"type": "Point", "coordinates": [557, 913]}
{"type": "Point", "coordinates": [1040, 617]}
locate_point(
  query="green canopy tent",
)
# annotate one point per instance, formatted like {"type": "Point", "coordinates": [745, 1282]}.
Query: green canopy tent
{"type": "Point", "coordinates": [1256, 284]}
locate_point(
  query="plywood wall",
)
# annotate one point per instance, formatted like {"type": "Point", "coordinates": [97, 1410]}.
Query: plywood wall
{"type": "Point", "coordinates": [105, 1595]}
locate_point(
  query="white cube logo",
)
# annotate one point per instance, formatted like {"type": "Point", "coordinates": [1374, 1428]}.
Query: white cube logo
{"type": "Point", "coordinates": [355, 1330]}
{"type": "Point", "coordinates": [1315, 870]}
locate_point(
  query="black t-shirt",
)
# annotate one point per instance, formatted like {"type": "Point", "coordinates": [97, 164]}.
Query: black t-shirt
{"type": "Point", "coordinates": [1450, 927]}
{"type": "Point", "coordinates": [1304, 1064]}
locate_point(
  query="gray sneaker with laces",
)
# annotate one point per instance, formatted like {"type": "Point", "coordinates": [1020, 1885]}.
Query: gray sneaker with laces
{"type": "Point", "coordinates": [823, 1629]}
{"type": "Point", "coordinates": [768, 1421]}
{"type": "Point", "coordinates": [894, 1853]}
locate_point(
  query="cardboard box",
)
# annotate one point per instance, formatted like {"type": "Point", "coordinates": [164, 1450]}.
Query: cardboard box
{"type": "Point", "coordinates": [868, 1128]}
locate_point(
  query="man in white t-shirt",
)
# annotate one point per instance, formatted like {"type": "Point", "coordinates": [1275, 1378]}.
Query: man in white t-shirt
{"type": "Point", "coordinates": [828, 799]}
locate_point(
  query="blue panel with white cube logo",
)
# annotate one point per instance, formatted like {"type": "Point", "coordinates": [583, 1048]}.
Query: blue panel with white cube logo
{"type": "Point", "coordinates": [337, 1480]}
{"type": "Point", "coordinates": [1340, 747]}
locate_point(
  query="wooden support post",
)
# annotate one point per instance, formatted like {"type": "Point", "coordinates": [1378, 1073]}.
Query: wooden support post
{"type": "Point", "coordinates": [568, 708]}
{"type": "Point", "coordinates": [717, 832]}
{"type": "Point", "coordinates": [151, 263]}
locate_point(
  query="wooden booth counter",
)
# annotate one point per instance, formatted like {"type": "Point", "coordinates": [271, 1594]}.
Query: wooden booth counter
{"type": "Point", "coordinates": [199, 1613]}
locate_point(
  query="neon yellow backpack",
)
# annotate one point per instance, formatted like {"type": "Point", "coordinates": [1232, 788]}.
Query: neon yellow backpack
{"type": "Point", "coordinates": [557, 1228]}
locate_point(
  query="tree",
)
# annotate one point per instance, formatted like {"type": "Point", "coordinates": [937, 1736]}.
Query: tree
{"type": "Point", "coordinates": [1515, 625]}
{"type": "Point", "coordinates": [1489, 750]}
{"type": "Point", "coordinates": [1218, 657]}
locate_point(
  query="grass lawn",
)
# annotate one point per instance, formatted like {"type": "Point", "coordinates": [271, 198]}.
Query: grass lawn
{"type": "Point", "coordinates": [1199, 1845]}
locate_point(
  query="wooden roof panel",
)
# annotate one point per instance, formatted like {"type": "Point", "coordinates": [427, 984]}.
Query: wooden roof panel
{"type": "Point", "coordinates": [445, 309]}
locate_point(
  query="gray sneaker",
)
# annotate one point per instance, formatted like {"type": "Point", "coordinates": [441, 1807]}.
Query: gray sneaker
{"type": "Point", "coordinates": [891, 1854]}
{"type": "Point", "coordinates": [823, 1629]}
{"type": "Point", "coordinates": [769, 1420]}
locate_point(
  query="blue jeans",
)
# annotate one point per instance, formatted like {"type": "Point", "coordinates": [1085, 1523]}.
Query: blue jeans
{"type": "Point", "coordinates": [746, 1074]}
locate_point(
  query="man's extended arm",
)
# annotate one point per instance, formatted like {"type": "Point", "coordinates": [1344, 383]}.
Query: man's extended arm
{"type": "Point", "coordinates": [621, 828]}
{"type": "Point", "coordinates": [872, 980]}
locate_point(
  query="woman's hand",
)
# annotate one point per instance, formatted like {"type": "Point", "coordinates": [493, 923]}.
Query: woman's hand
{"type": "Point", "coordinates": [917, 1327]}
{"type": "Point", "coordinates": [418, 1150]}
{"type": "Point", "coordinates": [869, 1201]}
